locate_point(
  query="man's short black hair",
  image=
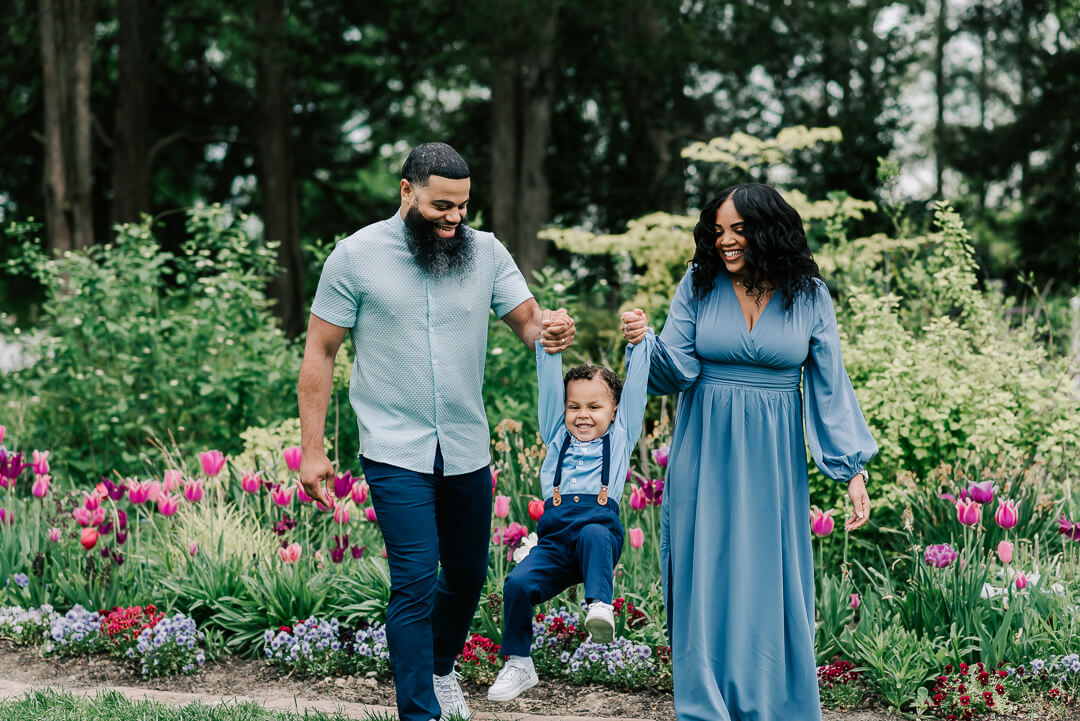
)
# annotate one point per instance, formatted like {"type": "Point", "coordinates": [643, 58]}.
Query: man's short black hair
{"type": "Point", "coordinates": [429, 159]}
{"type": "Point", "coordinates": [588, 371]}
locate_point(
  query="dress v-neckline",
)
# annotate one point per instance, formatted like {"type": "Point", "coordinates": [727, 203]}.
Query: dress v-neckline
{"type": "Point", "coordinates": [738, 304]}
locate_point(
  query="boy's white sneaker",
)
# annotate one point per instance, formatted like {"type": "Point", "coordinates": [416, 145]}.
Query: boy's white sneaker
{"type": "Point", "coordinates": [516, 676]}
{"type": "Point", "coordinates": [600, 622]}
{"type": "Point", "coordinates": [448, 693]}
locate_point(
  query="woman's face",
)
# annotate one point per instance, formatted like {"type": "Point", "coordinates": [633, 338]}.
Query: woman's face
{"type": "Point", "coordinates": [730, 242]}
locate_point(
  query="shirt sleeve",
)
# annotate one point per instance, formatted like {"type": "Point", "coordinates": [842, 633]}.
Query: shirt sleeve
{"type": "Point", "coordinates": [509, 289]}
{"type": "Point", "coordinates": [337, 300]}
{"type": "Point", "coordinates": [675, 365]}
{"type": "Point", "coordinates": [631, 413]}
{"type": "Point", "coordinates": [839, 439]}
{"type": "Point", "coordinates": [551, 407]}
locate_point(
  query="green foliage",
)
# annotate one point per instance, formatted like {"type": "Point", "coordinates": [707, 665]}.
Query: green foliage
{"type": "Point", "coordinates": [899, 661]}
{"type": "Point", "coordinates": [143, 341]}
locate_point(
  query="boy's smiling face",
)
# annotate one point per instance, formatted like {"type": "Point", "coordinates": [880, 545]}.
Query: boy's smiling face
{"type": "Point", "coordinates": [590, 408]}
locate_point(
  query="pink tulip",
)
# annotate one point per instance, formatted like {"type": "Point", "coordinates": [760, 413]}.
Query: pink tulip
{"type": "Point", "coordinates": [168, 504]}
{"type": "Point", "coordinates": [982, 492]}
{"type": "Point", "coordinates": [250, 482]}
{"type": "Point", "coordinates": [2, 432]}
{"type": "Point", "coordinates": [138, 493]}
{"type": "Point", "coordinates": [1008, 513]}
{"type": "Point", "coordinates": [1005, 552]}
{"type": "Point", "coordinates": [91, 500]}
{"type": "Point", "coordinates": [82, 516]}
{"type": "Point", "coordinates": [637, 538]}
{"type": "Point", "coordinates": [97, 516]}
{"type": "Point", "coordinates": [54, 534]}
{"type": "Point", "coordinates": [212, 462]}
{"type": "Point", "coordinates": [172, 480]}
{"type": "Point", "coordinates": [854, 600]}
{"type": "Point", "coordinates": [536, 509]}
{"type": "Point", "coordinates": [370, 513]}
{"type": "Point", "coordinates": [7, 515]}
{"type": "Point", "coordinates": [660, 455]}
{"type": "Point", "coordinates": [341, 514]}
{"type": "Point", "coordinates": [359, 493]}
{"type": "Point", "coordinates": [291, 553]}
{"type": "Point", "coordinates": [293, 457]}
{"type": "Point", "coordinates": [41, 463]}
{"type": "Point", "coordinates": [638, 499]}
{"type": "Point", "coordinates": [968, 512]}
{"type": "Point", "coordinates": [193, 548]}
{"type": "Point", "coordinates": [502, 506]}
{"type": "Point", "coordinates": [303, 497]}
{"type": "Point", "coordinates": [88, 539]}
{"type": "Point", "coordinates": [1021, 581]}
{"type": "Point", "coordinates": [193, 491]}
{"type": "Point", "coordinates": [41, 485]}
{"type": "Point", "coordinates": [821, 523]}
{"type": "Point", "coordinates": [494, 479]}
{"type": "Point", "coordinates": [281, 496]}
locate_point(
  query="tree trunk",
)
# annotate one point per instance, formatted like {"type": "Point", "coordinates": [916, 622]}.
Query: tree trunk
{"type": "Point", "coordinates": [131, 164]}
{"type": "Point", "coordinates": [522, 97]}
{"type": "Point", "coordinates": [67, 44]}
{"type": "Point", "coordinates": [276, 163]}
{"type": "Point", "coordinates": [941, 90]}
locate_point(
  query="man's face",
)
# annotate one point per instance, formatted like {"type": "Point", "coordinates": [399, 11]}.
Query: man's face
{"type": "Point", "coordinates": [435, 221]}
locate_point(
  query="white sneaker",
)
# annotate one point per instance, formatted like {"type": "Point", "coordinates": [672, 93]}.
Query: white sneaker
{"type": "Point", "coordinates": [516, 676]}
{"type": "Point", "coordinates": [600, 622]}
{"type": "Point", "coordinates": [451, 699]}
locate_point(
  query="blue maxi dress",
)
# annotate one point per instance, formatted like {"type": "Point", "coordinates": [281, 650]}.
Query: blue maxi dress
{"type": "Point", "coordinates": [735, 542]}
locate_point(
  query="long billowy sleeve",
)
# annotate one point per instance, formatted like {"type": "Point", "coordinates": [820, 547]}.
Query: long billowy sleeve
{"type": "Point", "coordinates": [675, 365]}
{"type": "Point", "coordinates": [839, 439]}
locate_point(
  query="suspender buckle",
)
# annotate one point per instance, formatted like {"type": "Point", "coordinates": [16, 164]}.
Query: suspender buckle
{"type": "Point", "coordinates": [602, 498]}
{"type": "Point", "coordinates": [556, 499]}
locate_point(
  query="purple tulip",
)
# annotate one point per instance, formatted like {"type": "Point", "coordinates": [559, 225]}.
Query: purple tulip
{"type": "Point", "coordinates": [941, 555]}
{"type": "Point", "coordinates": [660, 455]}
{"type": "Point", "coordinates": [1008, 513]}
{"type": "Point", "coordinates": [343, 484]}
{"type": "Point", "coordinates": [982, 492]}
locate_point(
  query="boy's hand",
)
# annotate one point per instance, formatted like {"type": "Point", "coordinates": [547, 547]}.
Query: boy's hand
{"type": "Point", "coordinates": [634, 325]}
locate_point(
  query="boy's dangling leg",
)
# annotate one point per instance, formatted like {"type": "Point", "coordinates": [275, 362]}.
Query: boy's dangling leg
{"type": "Point", "coordinates": [598, 548]}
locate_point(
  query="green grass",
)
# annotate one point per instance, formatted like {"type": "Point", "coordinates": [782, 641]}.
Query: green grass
{"type": "Point", "coordinates": [113, 706]}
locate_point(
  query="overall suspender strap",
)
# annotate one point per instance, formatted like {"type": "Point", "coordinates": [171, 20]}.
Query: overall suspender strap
{"type": "Point", "coordinates": [556, 498]}
{"type": "Point", "coordinates": [605, 470]}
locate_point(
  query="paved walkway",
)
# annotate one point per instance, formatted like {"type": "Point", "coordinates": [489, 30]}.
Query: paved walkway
{"type": "Point", "coordinates": [15, 689]}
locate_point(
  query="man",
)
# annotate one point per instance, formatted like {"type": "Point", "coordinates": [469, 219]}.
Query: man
{"type": "Point", "coordinates": [415, 291]}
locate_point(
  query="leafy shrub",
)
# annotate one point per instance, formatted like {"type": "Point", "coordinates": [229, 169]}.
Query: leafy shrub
{"type": "Point", "coordinates": [143, 340]}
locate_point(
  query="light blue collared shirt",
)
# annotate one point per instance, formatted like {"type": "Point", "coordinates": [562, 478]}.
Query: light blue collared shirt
{"type": "Point", "coordinates": [584, 460]}
{"type": "Point", "coordinates": [420, 344]}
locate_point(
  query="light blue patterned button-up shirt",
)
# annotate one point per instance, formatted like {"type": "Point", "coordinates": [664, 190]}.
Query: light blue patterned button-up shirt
{"type": "Point", "coordinates": [420, 344]}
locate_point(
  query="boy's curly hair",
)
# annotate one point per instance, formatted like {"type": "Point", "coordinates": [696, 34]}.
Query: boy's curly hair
{"type": "Point", "coordinates": [588, 371]}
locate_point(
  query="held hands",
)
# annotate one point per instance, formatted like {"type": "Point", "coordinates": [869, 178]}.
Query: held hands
{"type": "Point", "coordinates": [860, 502]}
{"type": "Point", "coordinates": [634, 325]}
{"type": "Point", "coordinates": [556, 330]}
{"type": "Point", "coordinates": [316, 473]}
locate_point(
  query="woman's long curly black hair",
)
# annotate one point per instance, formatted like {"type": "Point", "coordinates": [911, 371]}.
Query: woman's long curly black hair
{"type": "Point", "coordinates": [777, 254]}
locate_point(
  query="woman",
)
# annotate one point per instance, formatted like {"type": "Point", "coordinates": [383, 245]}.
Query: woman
{"type": "Point", "coordinates": [748, 320]}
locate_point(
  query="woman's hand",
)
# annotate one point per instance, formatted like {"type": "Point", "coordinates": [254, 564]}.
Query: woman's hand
{"type": "Point", "coordinates": [860, 502]}
{"type": "Point", "coordinates": [634, 325]}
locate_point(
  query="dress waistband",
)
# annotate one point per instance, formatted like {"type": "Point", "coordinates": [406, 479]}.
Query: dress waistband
{"type": "Point", "coordinates": [755, 376]}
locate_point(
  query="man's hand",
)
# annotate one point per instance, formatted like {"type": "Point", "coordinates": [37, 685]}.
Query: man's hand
{"type": "Point", "coordinates": [634, 325]}
{"type": "Point", "coordinates": [557, 330]}
{"type": "Point", "coordinates": [316, 474]}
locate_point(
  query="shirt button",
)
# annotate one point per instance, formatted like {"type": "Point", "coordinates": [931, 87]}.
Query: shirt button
{"type": "Point", "coordinates": [434, 361]}
{"type": "Point", "coordinates": [580, 462]}
{"type": "Point", "coordinates": [573, 480]}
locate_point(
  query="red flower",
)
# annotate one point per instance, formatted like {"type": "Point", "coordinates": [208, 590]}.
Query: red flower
{"type": "Point", "coordinates": [1000, 689]}
{"type": "Point", "coordinates": [963, 668]}
{"type": "Point", "coordinates": [965, 700]}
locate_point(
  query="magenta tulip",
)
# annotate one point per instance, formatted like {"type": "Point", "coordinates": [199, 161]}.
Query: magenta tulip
{"type": "Point", "coordinates": [982, 492]}
{"type": "Point", "coordinates": [250, 482]}
{"type": "Point", "coordinates": [41, 463]}
{"type": "Point", "coordinates": [293, 457]}
{"type": "Point", "coordinates": [343, 484]}
{"type": "Point", "coordinates": [193, 548]}
{"type": "Point", "coordinates": [1005, 552]}
{"type": "Point", "coordinates": [212, 462]}
{"type": "Point", "coordinates": [91, 500]}
{"type": "Point", "coordinates": [303, 497]}
{"type": "Point", "coordinates": [1008, 513]}
{"type": "Point", "coordinates": [494, 479]}
{"type": "Point", "coordinates": [341, 514]}
{"type": "Point", "coordinates": [82, 516]}
{"type": "Point", "coordinates": [1021, 581]}
{"type": "Point", "coordinates": [660, 455]}
{"type": "Point", "coordinates": [941, 555]}
{"type": "Point", "coordinates": [359, 492]}
{"type": "Point", "coordinates": [369, 512]}
{"type": "Point", "coordinates": [281, 496]}
{"type": "Point", "coordinates": [193, 491]}
{"type": "Point", "coordinates": [168, 504]}
{"type": "Point", "coordinates": [3, 430]}
{"type": "Point", "coordinates": [138, 493]}
{"type": "Point", "coordinates": [638, 500]}
{"type": "Point", "coordinates": [97, 516]}
{"type": "Point", "coordinates": [502, 506]}
{"type": "Point", "coordinates": [968, 512]}
{"type": "Point", "coordinates": [821, 523]}
{"type": "Point", "coordinates": [854, 600]}
{"type": "Point", "coordinates": [41, 486]}
{"type": "Point", "coordinates": [637, 538]}
{"type": "Point", "coordinates": [7, 515]}
{"type": "Point", "coordinates": [54, 534]}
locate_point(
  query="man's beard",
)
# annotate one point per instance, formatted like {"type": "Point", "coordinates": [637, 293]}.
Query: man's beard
{"type": "Point", "coordinates": [438, 256]}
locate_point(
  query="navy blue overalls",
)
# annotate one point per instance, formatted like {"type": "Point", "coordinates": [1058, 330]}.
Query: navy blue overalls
{"type": "Point", "coordinates": [579, 538]}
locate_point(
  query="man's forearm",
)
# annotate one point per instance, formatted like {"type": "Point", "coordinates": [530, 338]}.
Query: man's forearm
{"type": "Point", "coordinates": [313, 397]}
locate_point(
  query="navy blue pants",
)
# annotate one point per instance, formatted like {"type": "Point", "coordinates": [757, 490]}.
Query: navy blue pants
{"type": "Point", "coordinates": [577, 541]}
{"type": "Point", "coordinates": [427, 519]}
